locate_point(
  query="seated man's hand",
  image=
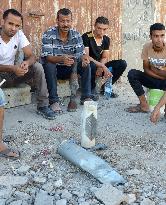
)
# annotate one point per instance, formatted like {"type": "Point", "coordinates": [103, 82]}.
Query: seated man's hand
{"type": "Point", "coordinates": [68, 60]}
{"type": "Point", "coordinates": [25, 65]}
{"type": "Point", "coordinates": [99, 71]}
{"type": "Point", "coordinates": [19, 71]}
{"type": "Point", "coordinates": [85, 60]}
{"type": "Point", "coordinates": [107, 73]}
{"type": "Point", "coordinates": [155, 115]}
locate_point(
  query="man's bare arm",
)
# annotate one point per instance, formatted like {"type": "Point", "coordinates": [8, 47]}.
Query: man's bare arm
{"type": "Point", "coordinates": [7, 68]}
{"type": "Point", "coordinates": [55, 59]}
{"type": "Point", "coordinates": [149, 71]}
{"type": "Point", "coordinates": [159, 72]}
{"type": "Point", "coordinates": [29, 55]}
{"type": "Point", "coordinates": [105, 57]}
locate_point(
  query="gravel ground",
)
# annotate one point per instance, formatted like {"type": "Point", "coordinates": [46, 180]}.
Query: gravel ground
{"type": "Point", "coordinates": [135, 148]}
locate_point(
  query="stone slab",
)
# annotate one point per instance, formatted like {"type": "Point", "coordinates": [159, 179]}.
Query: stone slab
{"type": "Point", "coordinates": [17, 96]}
{"type": "Point", "coordinates": [109, 195]}
{"type": "Point", "coordinates": [13, 180]}
{"type": "Point", "coordinates": [42, 198]}
{"type": "Point", "coordinates": [63, 88]}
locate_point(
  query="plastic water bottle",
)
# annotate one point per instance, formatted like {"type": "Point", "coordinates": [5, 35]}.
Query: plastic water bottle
{"type": "Point", "coordinates": [108, 86]}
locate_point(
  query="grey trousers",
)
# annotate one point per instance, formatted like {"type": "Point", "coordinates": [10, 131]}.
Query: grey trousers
{"type": "Point", "coordinates": [35, 73]}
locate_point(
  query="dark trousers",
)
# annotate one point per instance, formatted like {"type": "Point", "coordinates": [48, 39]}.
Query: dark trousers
{"type": "Point", "coordinates": [138, 79]}
{"type": "Point", "coordinates": [53, 72]}
{"type": "Point", "coordinates": [118, 67]}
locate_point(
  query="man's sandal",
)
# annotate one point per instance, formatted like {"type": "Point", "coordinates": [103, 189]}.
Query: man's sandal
{"type": "Point", "coordinates": [9, 153]}
{"type": "Point", "coordinates": [56, 108]}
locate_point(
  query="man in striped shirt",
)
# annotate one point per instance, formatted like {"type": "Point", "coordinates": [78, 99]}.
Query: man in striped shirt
{"type": "Point", "coordinates": [63, 58]}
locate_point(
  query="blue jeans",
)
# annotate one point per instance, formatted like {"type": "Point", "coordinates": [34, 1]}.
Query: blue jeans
{"type": "Point", "coordinates": [138, 79]}
{"type": "Point", "coordinates": [53, 72]}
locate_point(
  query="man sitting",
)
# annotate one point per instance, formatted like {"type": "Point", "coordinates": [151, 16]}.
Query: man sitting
{"type": "Point", "coordinates": [11, 40]}
{"type": "Point", "coordinates": [154, 65]}
{"type": "Point", "coordinates": [97, 45]}
{"type": "Point", "coordinates": [63, 57]}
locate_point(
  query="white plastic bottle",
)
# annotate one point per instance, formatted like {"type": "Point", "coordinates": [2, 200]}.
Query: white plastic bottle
{"type": "Point", "coordinates": [108, 86]}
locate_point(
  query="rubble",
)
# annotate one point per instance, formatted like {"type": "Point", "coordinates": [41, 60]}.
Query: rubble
{"type": "Point", "coordinates": [135, 148]}
{"type": "Point", "coordinates": [109, 195]}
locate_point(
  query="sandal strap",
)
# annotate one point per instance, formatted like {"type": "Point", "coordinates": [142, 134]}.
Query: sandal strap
{"type": "Point", "coordinates": [7, 151]}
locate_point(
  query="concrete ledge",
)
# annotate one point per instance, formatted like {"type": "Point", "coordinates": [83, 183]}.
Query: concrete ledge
{"type": "Point", "coordinates": [17, 96]}
{"type": "Point", "coordinates": [21, 95]}
{"type": "Point", "coordinates": [63, 88]}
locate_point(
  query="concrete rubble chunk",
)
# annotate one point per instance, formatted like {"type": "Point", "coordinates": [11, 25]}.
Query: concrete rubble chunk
{"type": "Point", "coordinates": [42, 198]}
{"type": "Point", "coordinates": [61, 202]}
{"type": "Point", "coordinates": [147, 201]}
{"type": "Point", "coordinates": [23, 169]}
{"type": "Point", "coordinates": [131, 198]}
{"type": "Point", "coordinates": [13, 180]}
{"type": "Point", "coordinates": [133, 172]}
{"type": "Point", "coordinates": [161, 195]}
{"type": "Point", "coordinates": [21, 195]}
{"type": "Point", "coordinates": [162, 203]}
{"type": "Point", "coordinates": [84, 203]}
{"type": "Point", "coordinates": [5, 193]}
{"type": "Point", "coordinates": [40, 179]}
{"type": "Point", "coordinates": [58, 183]}
{"type": "Point", "coordinates": [48, 187]}
{"type": "Point", "coordinates": [25, 203]}
{"type": "Point", "coordinates": [18, 202]}
{"type": "Point", "coordinates": [66, 194]}
{"type": "Point", "coordinates": [2, 201]}
{"type": "Point", "coordinates": [109, 195]}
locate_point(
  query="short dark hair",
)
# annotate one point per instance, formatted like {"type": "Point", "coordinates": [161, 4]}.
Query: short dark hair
{"type": "Point", "coordinates": [64, 12]}
{"type": "Point", "coordinates": [12, 11]}
{"type": "Point", "coordinates": [156, 26]}
{"type": "Point", "coordinates": [102, 20]}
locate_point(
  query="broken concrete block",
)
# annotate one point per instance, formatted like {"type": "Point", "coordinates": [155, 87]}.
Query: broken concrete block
{"type": "Point", "coordinates": [23, 169]}
{"type": "Point", "coordinates": [21, 195]}
{"type": "Point", "coordinates": [131, 198]}
{"type": "Point", "coordinates": [2, 201]}
{"type": "Point", "coordinates": [17, 96]}
{"type": "Point", "coordinates": [147, 201]}
{"type": "Point", "coordinates": [43, 198]}
{"type": "Point", "coordinates": [61, 202]}
{"type": "Point", "coordinates": [109, 195]}
{"type": "Point", "coordinates": [63, 88]}
{"type": "Point", "coordinates": [13, 180]}
{"type": "Point", "coordinates": [41, 180]}
{"type": "Point", "coordinates": [18, 202]}
{"type": "Point", "coordinates": [5, 193]}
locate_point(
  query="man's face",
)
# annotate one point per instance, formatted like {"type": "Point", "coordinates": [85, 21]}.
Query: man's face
{"type": "Point", "coordinates": [158, 38]}
{"type": "Point", "coordinates": [100, 29]}
{"type": "Point", "coordinates": [64, 23]}
{"type": "Point", "coordinates": [11, 24]}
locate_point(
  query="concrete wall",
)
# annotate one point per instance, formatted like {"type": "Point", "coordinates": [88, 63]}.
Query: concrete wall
{"type": "Point", "coordinates": [137, 16]}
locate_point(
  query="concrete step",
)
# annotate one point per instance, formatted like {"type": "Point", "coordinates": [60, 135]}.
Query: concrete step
{"type": "Point", "coordinates": [17, 96]}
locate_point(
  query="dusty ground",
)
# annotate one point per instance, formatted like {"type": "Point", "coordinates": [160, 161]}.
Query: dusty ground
{"type": "Point", "coordinates": [136, 149]}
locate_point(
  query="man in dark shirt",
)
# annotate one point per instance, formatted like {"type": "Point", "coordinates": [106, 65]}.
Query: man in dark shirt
{"type": "Point", "coordinates": [97, 47]}
{"type": "Point", "coordinates": [63, 57]}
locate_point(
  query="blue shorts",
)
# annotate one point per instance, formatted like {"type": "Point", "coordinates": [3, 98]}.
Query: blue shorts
{"type": "Point", "coordinates": [2, 98]}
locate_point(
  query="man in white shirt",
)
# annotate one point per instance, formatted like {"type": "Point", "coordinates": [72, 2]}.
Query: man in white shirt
{"type": "Point", "coordinates": [13, 39]}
